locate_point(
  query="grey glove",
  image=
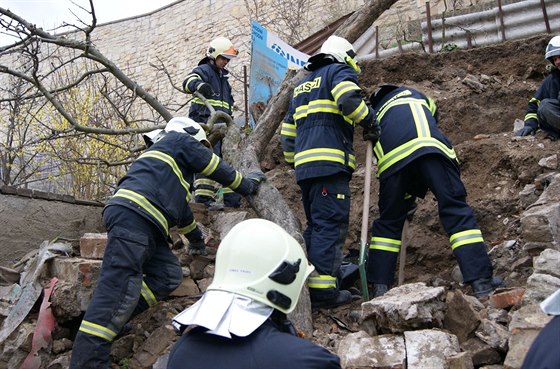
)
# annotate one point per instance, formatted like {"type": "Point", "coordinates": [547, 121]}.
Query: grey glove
{"type": "Point", "coordinates": [525, 131]}
{"type": "Point", "coordinates": [206, 90]}
{"type": "Point", "coordinates": [255, 179]}
{"type": "Point", "coordinates": [197, 248]}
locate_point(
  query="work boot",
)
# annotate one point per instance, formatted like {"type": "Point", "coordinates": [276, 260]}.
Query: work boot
{"type": "Point", "coordinates": [483, 287]}
{"type": "Point", "coordinates": [379, 289]}
{"type": "Point", "coordinates": [343, 297]}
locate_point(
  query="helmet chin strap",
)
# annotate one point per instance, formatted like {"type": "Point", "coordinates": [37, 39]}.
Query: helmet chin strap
{"type": "Point", "coordinates": [348, 60]}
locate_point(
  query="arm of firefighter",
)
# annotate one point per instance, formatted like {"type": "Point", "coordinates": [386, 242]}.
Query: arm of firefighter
{"type": "Point", "coordinates": [193, 80]}
{"type": "Point", "coordinates": [288, 135]}
{"type": "Point", "coordinates": [347, 96]}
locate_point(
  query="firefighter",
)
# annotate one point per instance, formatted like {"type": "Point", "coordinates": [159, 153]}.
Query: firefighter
{"type": "Point", "coordinates": [240, 321]}
{"type": "Point", "coordinates": [543, 110]}
{"type": "Point", "coordinates": [317, 139]}
{"type": "Point", "coordinates": [211, 79]}
{"type": "Point", "coordinates": [139, 268]}
{"type": "Point", "coordinates": [413, 156]}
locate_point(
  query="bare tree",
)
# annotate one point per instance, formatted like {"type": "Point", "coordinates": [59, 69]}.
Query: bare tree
{"type": "Point", "coordinates": [38, 49]}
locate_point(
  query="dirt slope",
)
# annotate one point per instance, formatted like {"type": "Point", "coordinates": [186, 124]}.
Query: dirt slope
{"type": "Point", "coordinates": [479, 93]}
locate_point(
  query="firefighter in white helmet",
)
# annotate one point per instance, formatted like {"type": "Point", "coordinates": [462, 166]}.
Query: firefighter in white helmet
{"type": "Point", "coordinates": [139, 268]}
{"type": "Point", "coordinates": [211, 79]}
{"type": "Point", "coordinates": [317, 138]}
{"type": "Point", "coordinates": [240, 321]}
{"type": "Point", "coordinates": [543, 110]}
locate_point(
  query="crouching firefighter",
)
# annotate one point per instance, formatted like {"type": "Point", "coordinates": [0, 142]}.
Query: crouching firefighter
{"type": "Point", "coordinates": [240, 321]}
{"type": "Point", "coordinates": [139, 268]}
{"type": "Point", "coordinates": [413, 156]}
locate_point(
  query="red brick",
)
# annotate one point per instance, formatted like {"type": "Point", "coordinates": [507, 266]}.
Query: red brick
{"type": "Point", "coordinates": [506, 299]}
{"type": "Point", "coordinates": [92, 245]}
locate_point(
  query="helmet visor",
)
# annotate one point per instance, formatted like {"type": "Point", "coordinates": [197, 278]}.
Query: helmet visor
{"type": "Point", "coordinates": [230, 53]}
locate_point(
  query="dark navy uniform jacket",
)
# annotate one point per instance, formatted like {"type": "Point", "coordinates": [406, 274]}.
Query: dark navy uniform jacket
{"type": "Point", "coordinates": [318, 129]}
{"type": "Point", "coordinates": [406, 132]}
{"type": "Point", "coordinates": [265, 348]}
{"type": "Point", "coordinates": [158, 184]}
{"type": "Point", "coordinates": [549, 89]}
{"type": "Point", "coordinates": [218, 80]}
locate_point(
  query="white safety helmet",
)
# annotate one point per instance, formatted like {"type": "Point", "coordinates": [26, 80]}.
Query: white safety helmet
{"type": "Point", "coordinates": [553, 48]}
{"type": "Point", "coordinates": [187, 125]}
{"type": "Point", "coordinates": [152, 137]}
{"type": "Point", "coordinates": [221, 46]}
{"type": "Point", "coordinates": [258, 259]}
{"type": "Point", "coordinates": [341, 50]}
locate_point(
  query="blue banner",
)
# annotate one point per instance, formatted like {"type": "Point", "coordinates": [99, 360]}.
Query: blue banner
{"type": "Point", "coordinates": [270, 60]}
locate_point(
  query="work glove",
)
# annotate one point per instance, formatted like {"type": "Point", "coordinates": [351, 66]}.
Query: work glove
{"type": "Point", "coordinates": [197, 248]}
{"type": "Point", "coordinates": [411, 209]}
{"type": "Point", "coordinates": [525, 131]}
{"type": "Point", "coordinates": [372, 131]}
{"type": "Point", "coordinates": [255, 179]}
{"type": "Point", "coordinates": [371, 127]}
{"type": "Point", "coordinates": [205, 89]}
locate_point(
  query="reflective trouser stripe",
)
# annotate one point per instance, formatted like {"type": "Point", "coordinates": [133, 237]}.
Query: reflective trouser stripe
{"type": "Point", "coordinates": [385, 244]}
{"type": "Point", "coordinates": [465, 238]}
{"type": "Point", "coordinates": [322, 281]}
{"type": "Point", "coordinates": [97, 330]}
{"type": "Point", "coordinates": [148, 295]}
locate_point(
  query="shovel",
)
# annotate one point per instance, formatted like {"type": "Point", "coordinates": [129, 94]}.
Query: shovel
{"type": "Point", "coordinates": [365, 224]}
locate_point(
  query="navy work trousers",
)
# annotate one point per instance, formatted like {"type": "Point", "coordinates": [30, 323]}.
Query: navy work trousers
{"type": "Point", "coordinates": [137, 259]}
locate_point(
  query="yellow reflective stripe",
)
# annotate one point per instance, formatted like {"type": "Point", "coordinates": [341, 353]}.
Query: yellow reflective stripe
{"type": "Point", "coordinates": [145, 204]}
{"type": "Point", "coordinates": [535, 100]}
{"type": "Point", "coordinates": [530, 116]}
{"type": "Point", "coordinates": [402, 101]}
{"type": "Point", "coordinates": [205, 182]}
{"type": "Point", "coordinates": [171, 162]}
{"type": "Point", "coordinates": [189, 228]}
{"type": "Point", "coordinates": [237, 181]}
{"type": "Point", "coordinates": [97, 330]}
{"type": "Point", "coordinates": [216, 103]}
{"type": "Point", "coordinates": [203, 192]}
{"type": "Point", "coordinates": [148, 295]}
{"type": "Point", "coordinates": [420, 120]}
{"type": "Point", "coordinates": [432, 106]}
{"type": "Point", "coordinates": [465, 238]}
{"type": "Point", "coordinates": [322, 281]}
{"type": "Point", "coordinates": [402, 151]}
{"type": "Point", "coordinates": [289, 156]}
{"type": "Point", "coordinates": [385, 244]}
{"type": "Point", "coordinates": [327, 154]}
{"type": "Point", "coordinates": [212, 165]}
{"type": "Point", "coordinates": [381, 111]}
{"type": "Point", "coordinates": [190, 78]}
{"type": "Point", "coordinates": [227, 190]}
{"type": "Point", "coordinates": [342, 88]}
{"type": "Point", "coordinates": [360, 113]}
{"type": "Point", "coordinates": [319, 106]}
{"type": "Point", "coordinates": [340, 196]}
{"type": "Point", "coordinates": [288, 129]}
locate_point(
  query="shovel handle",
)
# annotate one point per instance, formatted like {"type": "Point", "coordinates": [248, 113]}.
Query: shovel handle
{"type": "Point", "coordinates": [365, 209]}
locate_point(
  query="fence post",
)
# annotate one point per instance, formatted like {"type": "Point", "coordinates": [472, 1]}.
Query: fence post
{"type": "Point", "coordinates": [501, 16]}
{"type": "Point", "coordinates": [400, 46]}
{"type": "Point", "coordinates": [376, 42]}
{"type": "Point", "coordinates": [246, 96]}
{"type": "Point", "coordinates": [545, 15]}
{"type": "Point", "coordinates": [429, 23]}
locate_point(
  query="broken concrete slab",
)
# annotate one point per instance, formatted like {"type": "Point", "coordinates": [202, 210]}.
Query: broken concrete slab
{"type": "Point", "coordinates": [359, 350]}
